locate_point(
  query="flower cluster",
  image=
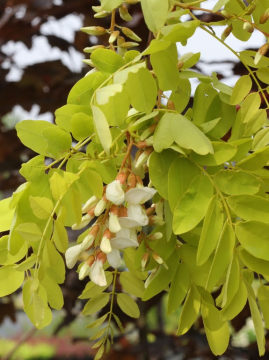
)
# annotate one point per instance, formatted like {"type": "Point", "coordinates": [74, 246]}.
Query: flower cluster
{"type": "Point", "coordinates": [120, 216]}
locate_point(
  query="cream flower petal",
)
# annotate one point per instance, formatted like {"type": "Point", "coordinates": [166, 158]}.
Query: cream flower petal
{"type": "Point", "coordinates": [139, 195]}
{"type": "Point", "coordinates": [87, 242]}
{"type": "Point", "coordinates": [97, 273]}
{"type": "Point", "coordinates": [105, 245]}
{"type": "Point", "coordinates": [72, 254]}
{"type": "Point", "coordinates": [124, 239]}
{"type": "Point", "coordinates": [114, 258]}
{"type": "Point", "coordinates": [127, 222]}
{"type": "Point", "coordinates": [137, 213]}
{"type": "Point", "coordinates": [113, 223]}
{"type": "Point", "coordinates": [115, 193]}
{"type": "Point", "coordinates": [84, 271]}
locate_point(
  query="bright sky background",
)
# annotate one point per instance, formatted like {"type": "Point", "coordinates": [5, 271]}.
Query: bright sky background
{"type": "Point", "coordinates": [211, 50]}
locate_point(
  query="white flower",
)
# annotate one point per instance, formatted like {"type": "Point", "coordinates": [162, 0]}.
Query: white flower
{"type": "Point", "coordinates": [86, 219]}
{"type": "Point", "coordinates": [113, 223]}
{"type": "Point", "coordinates": [71, 256]}
{"type": "Point", "coordinates": [124, 238]}
{"type": "Point", "coordinates": [100, 207]}
{"type": "Point", "coordinates": [136, 216]}
{"type": "Point", "coordinates": [139, 195]}
{"type": "Point", "coordinates": [89, 204]}
{"type": "Point", "coordinates": [114, 258]}
{"type": "Point", "coordinates": [97, 273]}
{"type": "Point", "coordinates": [87, 242]}
{"type": "Point", "coordinates": [115, 193]}
{"type": "Point", "coordinates": [105, 245]}
{"type": "Point", "coordinates": [84, 271]}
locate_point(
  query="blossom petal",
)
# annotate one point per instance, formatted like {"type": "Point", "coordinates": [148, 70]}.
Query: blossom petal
{"type": "Point", "coordinates": [124, 239]}
{"type": "Point", "coordinates": [114, 259]}
{"type": "Point", "coordinates": [137, 213]}
{"type": "Point", "coordinates": [72, 254]}
{"type": "Point", "coordinates": [115, 193]}
{"type": "Point", "coordinates": [139, 195]}
{"type": "Point", "coordinates": [97, 273]}
{"type": "Point", "coordinates": [113, 223]}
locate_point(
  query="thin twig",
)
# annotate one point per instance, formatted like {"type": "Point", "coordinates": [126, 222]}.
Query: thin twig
{"type": "Point", "coordinates": [23, 339]}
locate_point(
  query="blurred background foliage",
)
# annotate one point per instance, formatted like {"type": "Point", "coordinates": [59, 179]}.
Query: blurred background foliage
{"type": "Point", "coordinates": [40, 59]}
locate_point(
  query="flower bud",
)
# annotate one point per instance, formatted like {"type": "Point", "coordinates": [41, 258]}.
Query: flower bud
{"type": "Point", "coordinates": [101, 14]}
{"type": "Point", "coordinates": [264, 17]}
{"type": "Point", "coordinates": [227, 31]}
{"type": "Point", "coordinates": [121, 177]}
{"type": "Point", "coordinates": [130, 34]}
{"type": "Point", "coordinates": [250, 8]}
{"type": "Point", "coordinates": [226, 14]}
{"type": "Point", "coordinates": [88, 62]}
{"type": "Point", "coordinates": [157, 258]}
{"type": "Point", "coordinates": [124, 13]}
{"type": "Point", "coordinates": [131, 181]}
{"type": "Point", "coordinates": [101, 256]}
{"type": "Point", "coordinates": [90, 49]}
{"type": "Point", "coordinates": [105, 245]}
{"type": "Point", "coordinates": [71, 255]}
{"type": "Point", "coordinates": [113, 36]}
{"type": "Point", "coordinates": [100, 207]}
{"type": "Point", "coordinates": [141, 160]}
{"type": "Point", "coordinates": [151, 277]}
{"type": "Point", "coordinates": [248, 27]}
{"type": "Point", "coordinates": [87, 242]}
{"type": "Point", "coordinates": [260, 53]}
{"type": "Point", "coordinates": [86, 219]}
{"type": "Point", "coordinates": [89, 204]}
{"type": "Point", "coordinates": [84, 271]}
{"type": "Point", "coordinates": [128, 44]}
{"type": "Point", "coordinates": [156, 236]}
{"type": "Point", "coordinates": [93, 30]}
{"type": "Point", "coordinates": [113, 223]}
{"type": "Point", "coordinates": [144, 261]}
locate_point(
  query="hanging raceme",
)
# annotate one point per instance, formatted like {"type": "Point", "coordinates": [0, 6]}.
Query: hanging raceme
{"type": "Point", "coordinates": [164, 196]}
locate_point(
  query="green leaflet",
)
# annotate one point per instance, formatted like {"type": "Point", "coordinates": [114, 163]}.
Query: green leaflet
{"type": "Point", "coordinates": [181, 95]}
{"type": "Point", "coordinates": [35, 303]}
{"type": "Point", "coordinates": [260, 8]}
{"type": "Point", "coordinates": [257, 319]}
{"type": "Point", "coordinates": [81, 126]}
{"type": "Point", "coordinates": [256, 160]}
{"type": "Point", "coordinates": [32, 170]}
{"type": "Point", "coordinates": [222, 152]}
{"type": "Point", "coordinates": [177, 128]}
{"type": "Point", "coordinates": [231, 284]}
{"type": "Point", "coordinates": [192, 206]}
{"type": "Point", "coordinates": [41, 206]}
{"type": "Point", "coordinates": [6, 214]}
{"type": "Point", "coordinates": [254, 237]}
{"type": "Point", "coordinates": [95, 304]}
{"type": "Point", "coordinates": [250, 207]}
{"type": "Point", "coordinates": [237, 304]}
{"type": "Point", "coordinates": [189, 312]}
{"type": "Point", "coordinates": [10, 279]}
{"type": "Point", "coordinates": [179, 287]}
{"type": "Point", "coordinates": [180, 32]}
{"type": "Point", "coordinates": [164, 64]}
{"type": "Point", "coordinates": [92, 290]}
{"type": "Point", "coordinates": [107, 60]}
{"type": "Point", "coordinates": [102, 128]}
{"type": "Point", "coordinates": [114, 103]}
{"type": "Point", "coordinates": [128, 305]}
{"type": "Point", "coordinates": [109, 5]}
{"type": "Point", "coordinates": [211, 230]}
{"type": "Point", "coordinates": [158, 170]}
{"type": "Point", "coordinates": [237, 182]}
{"type": "Point", "coordinates": [131, 284]}
{"type": "Point", "coordinates": [257, 265]}
{"type": "Point", "coordinates": [43, 137]}
{"type": "Point", "coordinates": [222, 257]}
{"type": "Point", "coordinates": [142, 90]}
{"type": "Point", "coordinates": [181, 173]}
{"type": "Point", "coordinates": [263, 298]}
{"type": "Point", "coordinates": [64, 114]}
{"type": "Point", "coordinates": [54, 292]}
{"type": "Point", "coordinates": [155, 13]}
{"type": "Point", "coordinates": [261, 139]}
{"type": "Point", "coordinates": [83, 90]}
